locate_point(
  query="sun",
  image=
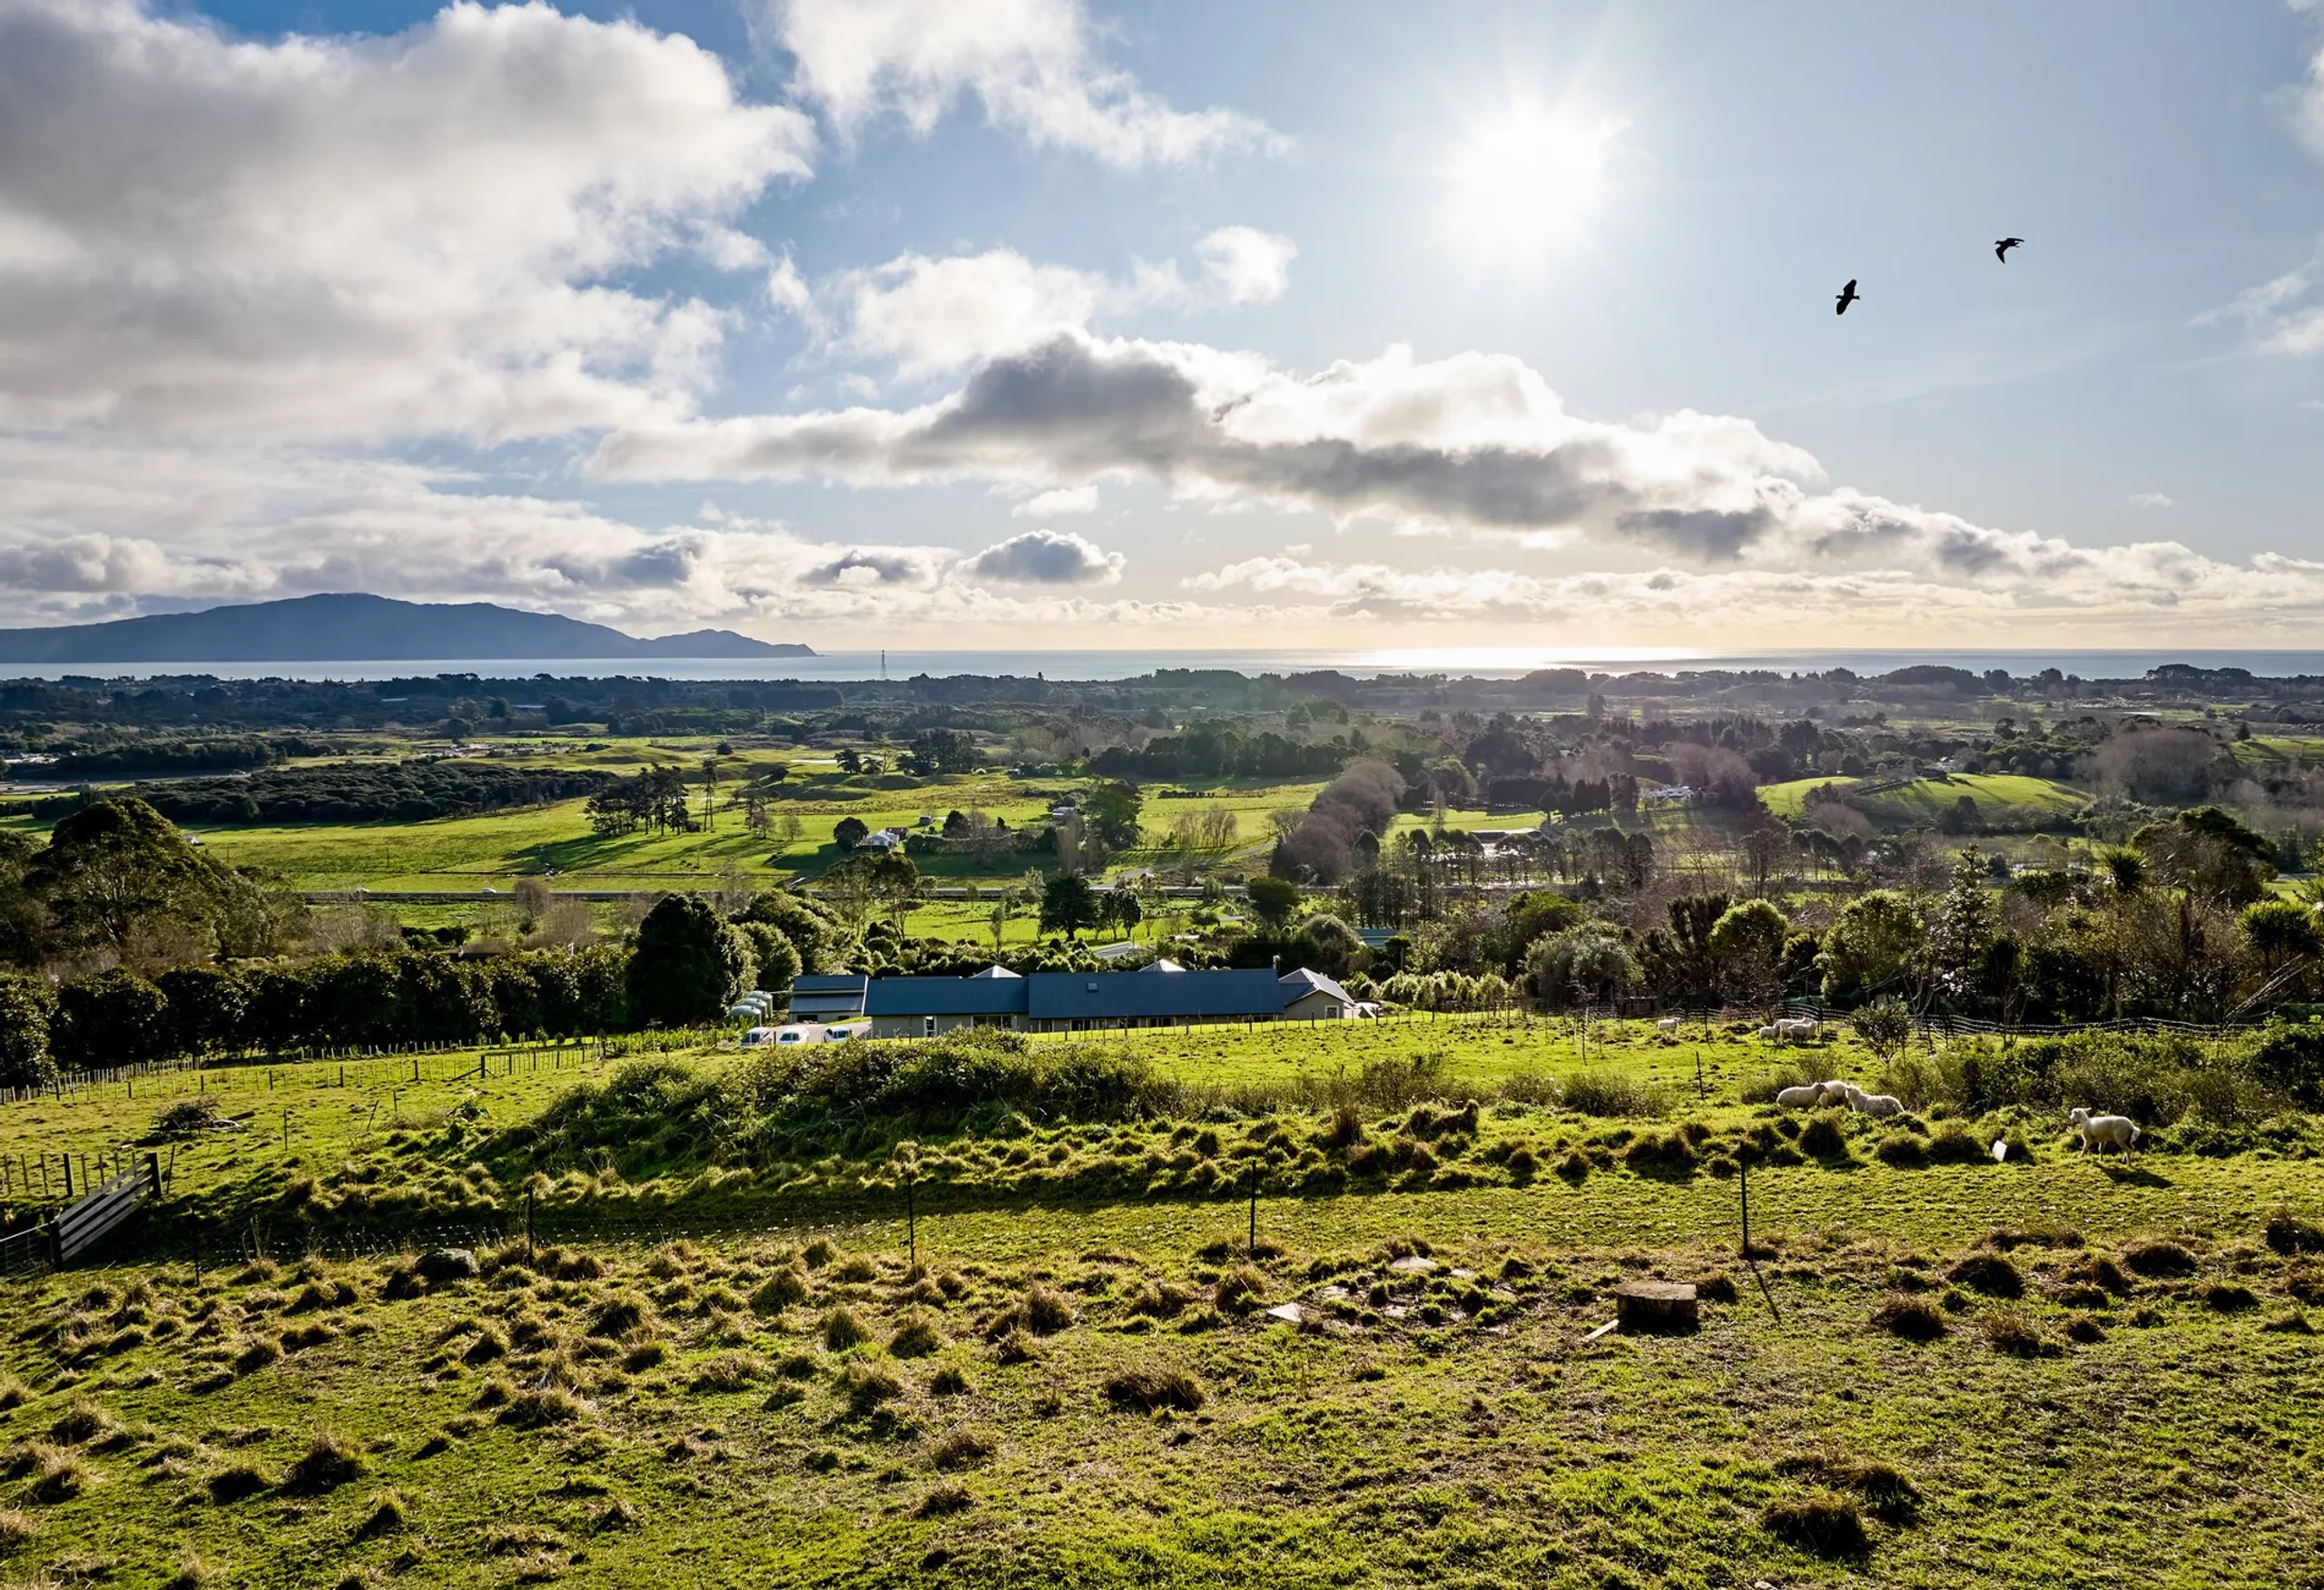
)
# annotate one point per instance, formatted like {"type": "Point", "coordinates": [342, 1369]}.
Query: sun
{"type": "Point", "coordinates": [1528, 182]}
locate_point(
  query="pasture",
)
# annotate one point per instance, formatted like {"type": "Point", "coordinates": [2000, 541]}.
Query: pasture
{"type": "Point", "coordinates": [2058, 1371]}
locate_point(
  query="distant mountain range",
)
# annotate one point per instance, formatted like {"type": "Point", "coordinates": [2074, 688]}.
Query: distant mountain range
{"type": "Point", "coordinates": [354, 628]}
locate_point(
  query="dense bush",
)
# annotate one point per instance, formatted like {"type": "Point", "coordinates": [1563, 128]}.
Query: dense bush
{"type": "Point", "coordinates": [359, 791]}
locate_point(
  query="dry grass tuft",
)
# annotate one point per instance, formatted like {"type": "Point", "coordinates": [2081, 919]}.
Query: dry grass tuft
{"type": "Point", "coordinates": [1149, 1388]}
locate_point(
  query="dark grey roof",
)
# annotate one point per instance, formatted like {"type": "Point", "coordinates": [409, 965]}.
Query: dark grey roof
{"type": "Point", "coordinates": [945, 997]}
{"type": "Point", "coordinates": [829, 983]}
{"type": "Point", "coordinates": [1299, 985]}
{"type": "Point", "coordinates": [1114, 995]}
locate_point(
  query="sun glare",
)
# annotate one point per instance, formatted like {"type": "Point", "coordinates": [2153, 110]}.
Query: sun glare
{"type": "Point", "coordinates": [1528, 182]}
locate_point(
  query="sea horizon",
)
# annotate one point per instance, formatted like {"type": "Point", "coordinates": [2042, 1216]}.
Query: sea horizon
{"type": "Point", "coordinates": [1090, 664]}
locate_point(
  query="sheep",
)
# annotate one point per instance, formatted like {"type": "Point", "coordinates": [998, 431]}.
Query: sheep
{"type": "Point", "coordinates": [1836, 1092]}
{"type": "Point", "coordinates": [1801, 1098]}
{"type": "Point", "coordinates": [1868, 1104]}
{"type": "Point", "coordinates": [1669, 1024]}
{"type": "Point", "coordinates": [1768, 1033]}
{"type": "Point", "coordinates": [1799, 1029]}
{"type": "Point", "coordinates": [2102, 1130]}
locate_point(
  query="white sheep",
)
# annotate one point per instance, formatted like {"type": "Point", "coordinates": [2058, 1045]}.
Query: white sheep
{"type": "Point", "coordinates": [2102, 1130]}
{"type": "Point", "coordinates": [1873, 1104]}
{"type": "Point", "coordinates": [1836, 1092]}
{"type": "Point", "coordinates": [1669, 1024]}
{"type": "Point", "coordinates": [1801, 1098]}
{"type": "Point", "coordinates": [1799, 1029]}
{"type": "Point", "coordinates": [1768, 1033]}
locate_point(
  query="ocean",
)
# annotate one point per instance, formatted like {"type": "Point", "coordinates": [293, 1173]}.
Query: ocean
{"type": "Point", "coordinates": [1495, 663]}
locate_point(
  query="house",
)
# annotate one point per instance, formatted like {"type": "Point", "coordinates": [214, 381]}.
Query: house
{"type": "Point", "coordinates": [1313, 996]}
{"type": "Point", "coordinates": [1163, 995]}
{"type": "Point", "coordinates": [886, 839]}
{"type": "Point", "coordinates": [828, 997]}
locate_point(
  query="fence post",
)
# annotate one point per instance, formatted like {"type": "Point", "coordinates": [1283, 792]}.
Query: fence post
{"type": "Point", "coordinates": [68, 1175]}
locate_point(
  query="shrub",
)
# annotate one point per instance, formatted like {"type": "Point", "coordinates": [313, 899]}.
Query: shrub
{"type": "Point", "coordinates": [1148, 1389]}
{"type": "Point", "coordinates": [1914, 1319]}
{"type": "Point", "coordinates": [1821, 1524]}
{"type": "Point", "coordinates": [330, 1461]}
{"type": "Point", "coordinates": [1989, 1274]}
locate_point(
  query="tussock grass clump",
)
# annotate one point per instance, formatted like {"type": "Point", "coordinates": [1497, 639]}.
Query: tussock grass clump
{"type": "Point", "coordinates": [489, 1344]}
{"type": "Point", "coordinates": [1822, 1524]}
{"type": "Point", "coordinates": [389, 1512]}
{"type": "Point", "coordinates": [1988, 1274]}
{"type": "Point", "coordinates": [2227, 1298]}
{"type": "Point", "coordinates": [2012, 1331]}
{"type": "Point", "coordinates": [14, 1393]}
{"type": "Point", "coordinates": [1822, 1139]}
{"type": "Point", "coordinates": [2097, 1269]}
{"type": "Point", "coordinates": [85, 1421]}
{"type": "Point", "coordinates": [866, 1384]}
{"type": "Point", "coordinates": [963, 1448]}
{"type": "Point", "coordinates": [532, 1410]}
{"type": "Point", "coordinates": [1017, 1347]}
{"type": "Point", "coordinates": [843, 1328]}
{"type": "Point", "coordinates": [2290, 1322]}
{"type": "Point", "coordinates": [2287, 1234]}
{"type": "Point", "coordinates": [951, 1380]}
{"type": "Point", "coordinates": [1162, 1300]}
{"type": "Point", "coordinates": [943, 1502]}
{"type": "Point", "coordinates": [1902, 1151]}
{"type": "Point", "coordinates": [191, 1573]}
{"type": "Point", "coordinates": [1953, 1147]}
{"type": "Point", "coordinates": [2083, 1329]}
{"type": "Point", "coordinates": [729, 1372]}
{"type": "Point", "coordinates": [784, 1289]}
{"type": "Point", "coordinates": [1040, 1311]}
{"type": "Point", "coordinates": [1239, 1290]}
{"type": "Point", "coordinates": [918, 1334]}
{"type": "Point", "coordinates": [621, 1314]}
{"type": "Point", "coordinates": [1149, 1388]}
{"type": "Point", "coordinates": [238, 1482]}
{"type": "Point", "coordinates": [330, 1461]}
{"type": "Point", "coordinates": [2157, 1260]}
{"type": "Point", "coordinates": [256, 1354]}
{"type": "Point", "coordinates": [60, 1476]}
{"type": "Point", "coordinates": [15, 1529]}
{"type": "Point", "coordinates": [1884, 1490]}
{"type": "Point", "coordinates": [1661, 1154]}
{"type": "Point", "coordinates": [1914, 1319]}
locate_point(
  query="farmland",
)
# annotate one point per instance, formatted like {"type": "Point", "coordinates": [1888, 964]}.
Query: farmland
{"type": "Point", "coordinates": [1080, 1381]}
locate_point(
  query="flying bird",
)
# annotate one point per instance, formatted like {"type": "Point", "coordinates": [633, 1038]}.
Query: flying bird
{"type": "Point", "coordinates": [1848, 295]}
{"type": "Point", "coordinates": [2001, 248]}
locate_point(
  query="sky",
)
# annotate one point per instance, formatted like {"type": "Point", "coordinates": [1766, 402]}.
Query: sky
{"type": "Point", "coordinates": [1029, 324]}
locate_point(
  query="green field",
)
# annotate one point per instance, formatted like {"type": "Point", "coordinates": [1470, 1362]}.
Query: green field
{"type": "Point", "coordinates": [1924, 799]}
{"type": "Point", "coordinates": [1080, 1383]}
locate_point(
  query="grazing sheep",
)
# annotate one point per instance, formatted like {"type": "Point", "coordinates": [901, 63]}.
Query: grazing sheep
{"type": "Point", "coordinates": [1836, 1092]}
{"type": "Point", "coordinates": [1669, 1024]}
{"type": "Point", "coordinates": [1799, 1030]}
{"type": "Point", "coordinates": [1768, 1033]}
{"type": "Point", "coordinates": [2102, 1130]}
{"type": "Point", "coordinates": [1801, 1098]}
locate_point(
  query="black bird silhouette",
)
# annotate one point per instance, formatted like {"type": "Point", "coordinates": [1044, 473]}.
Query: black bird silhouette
{"type": "Point", "coordinates": [2002, 248]}
{"type": "Point", "coordinates": [1848, 295]}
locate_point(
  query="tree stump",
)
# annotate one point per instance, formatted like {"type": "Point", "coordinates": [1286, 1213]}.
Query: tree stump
{"type": "Point", "coordinates": [1657, 1305]}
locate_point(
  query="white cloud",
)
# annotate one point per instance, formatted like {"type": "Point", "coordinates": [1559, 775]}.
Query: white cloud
{"type": "Point", "coordinates": [1071, 499]}
{"type": "Point", "coordinates": [1474, 443]}
{"type": "Point", "coordinates": [1250, 267]}
{"type": "Point", "coordinates": [2151, 499]}
{"type": "Point", "coordinates": [1047, 557]}
{"type": "Point", "coordinates": [1029, 62]}
{"type": "Point", "coordinates": [927, 316]}
{"type": "Point", "coordinates": [2310, 116]}
{"type": "Point", "coordinates": [933, 315]}
{"type": "Point", "coordinates": [2278, 313]}
{"type": "Point", "coordinates": [319, 239]}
